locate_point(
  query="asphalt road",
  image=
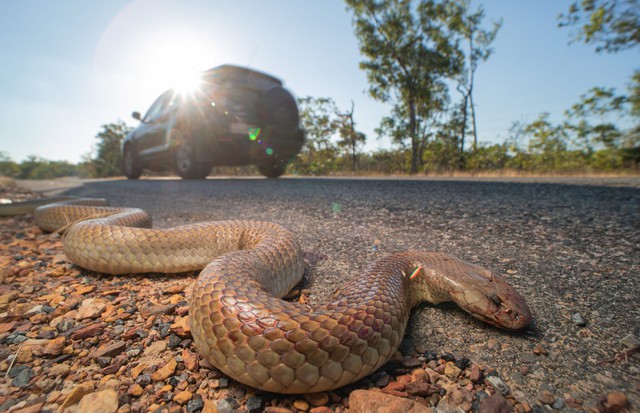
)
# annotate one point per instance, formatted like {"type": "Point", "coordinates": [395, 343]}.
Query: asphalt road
{"type": "Point", "coordinates": [568, 246]}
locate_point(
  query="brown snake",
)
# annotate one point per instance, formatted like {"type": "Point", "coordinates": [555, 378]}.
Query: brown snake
{"type": "Point", "coordinates": [238, 321]}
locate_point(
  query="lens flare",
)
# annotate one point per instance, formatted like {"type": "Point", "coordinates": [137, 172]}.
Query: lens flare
{"type": "Point", "coordinates": [254, 133]}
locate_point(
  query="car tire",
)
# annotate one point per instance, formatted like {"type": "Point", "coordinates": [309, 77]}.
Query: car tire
{"type": "Point", "coordinates": [272, 170]}
{"type": "Point", "coordinates": [185, 159]}
{"type": "Point", "coordinates": [131, 163]}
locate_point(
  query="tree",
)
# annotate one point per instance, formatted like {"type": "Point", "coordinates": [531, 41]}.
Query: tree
{"type": "Point", "coordinates": [407, 55]}
{"type": "Point", "coordinates": [612, 25]}
{"type": "Point", "coordinates": [467, 25]}
{"type": "Point", "coordinates": [318, 118]}
{"type": "Point", "coordinates": [350, 139]}
{"type": "Point", "coordinates": [7, 166]}
{"type": "Point", "coordinates": [108, 160]}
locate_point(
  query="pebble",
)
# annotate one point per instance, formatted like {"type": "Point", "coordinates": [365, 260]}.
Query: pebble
{"type": "Point", "coordinates": [497, 383]}
{"type": "Point", "coordinates": [546, 397]}
{"type": "Point", "coordinates": [77, 393]}
{"type": "Point", "coordinates": [105, 401]}
{"type": "Point", "coordinates": [361, 401]}
{"type": "Point", "coordinates": [195, 405]}
{"type": "Point", "coordinates": [254, 404]}
{"type": "Point", "coordinates": [91, 308]}
{"type": "Point", "coordinates": [166, 371]}
{"type": "Point", "coordinates": [301, 405]}
{"type": "Point", "coordinates": [223, 406]}
{"type": "Point", "coordinates": [183, 397]}
{"type": "Point", "coordinates": [616, 401]}
{"type": "Point", "coordinates": [317, 399]}
{"type": "Point", "coordinates": [108, 350]}
{"type": "Point", "coordinates": [495, 404]}
{"type": "Point", "coordinates": [475, 375]}
{"type": "Point", "coordinates": [451, 370]}
{"type": "Point", "coordinates": [321, 409]}
{"type": "Point", "coordinates": [54, 347]}
{"type": "Point", "coordinates": [21, 376]}
{"type": "Point", "coordinates": [540, 351]}
{"type": "Point", "coordinates": [578, 320]}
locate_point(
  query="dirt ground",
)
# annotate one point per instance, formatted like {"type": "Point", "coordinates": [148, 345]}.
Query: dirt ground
{"type": "Point", "coordinates": [570, 246]}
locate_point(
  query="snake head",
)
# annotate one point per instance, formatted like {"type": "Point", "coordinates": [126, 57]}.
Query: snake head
{"type": "Point", "coordinates": [476, 290]}
{"type": "Point", "coordinates": [490, 298]}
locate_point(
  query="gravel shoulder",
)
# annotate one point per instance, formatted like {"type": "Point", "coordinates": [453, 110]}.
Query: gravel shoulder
{"type": "Point", "coordinates": [570, 246]}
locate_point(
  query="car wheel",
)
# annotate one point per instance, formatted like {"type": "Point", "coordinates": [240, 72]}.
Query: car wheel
{"type": "Point", "coordinates": [272, 170]}
{"type": "Point", "coordinates": [131, 164]}
{"type": "Point", "coordinates": [185, 160]}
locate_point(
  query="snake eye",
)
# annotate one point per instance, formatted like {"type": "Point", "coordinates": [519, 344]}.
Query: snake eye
{"type": "Point", "coordinates": [494, 297]}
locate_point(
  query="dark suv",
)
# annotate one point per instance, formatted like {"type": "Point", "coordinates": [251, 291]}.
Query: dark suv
{"type": "Point", "coordinates": [237, 116]}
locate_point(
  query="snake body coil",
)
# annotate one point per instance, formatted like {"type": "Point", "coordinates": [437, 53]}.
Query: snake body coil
{"type": "Point", "coordinates": [238, 322]}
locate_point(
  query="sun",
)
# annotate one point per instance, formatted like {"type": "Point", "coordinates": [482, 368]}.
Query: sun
{"type": "Point", "coordinates": [172, 60]}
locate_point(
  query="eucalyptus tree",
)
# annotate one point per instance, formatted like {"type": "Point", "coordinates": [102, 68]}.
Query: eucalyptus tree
{"type": "Point", "coordinates": [612, 25]}
{"type": "Point", "coordinates": [408, 54]}
{"type": "Point", "coordinates": [476, 45]}
{"type": "Point", "coordinates": [318, 119]}
{"type": "Point", "coordinates": [350, 139]}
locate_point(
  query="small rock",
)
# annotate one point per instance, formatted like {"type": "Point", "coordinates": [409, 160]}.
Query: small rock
{"type": "Point", "coordinates": [59, 370]}
{"type": "Point", "coordinates": [380, 378]}
{"type": "Point", "coordinates": [495, 404]}
{"type": "Point", "coordinates": [497, 383]}
{"type": "Point", "coordinates": [558, 403]}
{"type": "Point", "coordinates": [166, 371]}
{"type": "Point", "coordinates": [183, 397]}
{"type": "Point", "coordinates": [578, 320]}
{"type": "Point", "coordinates": [462, 363]}
{"type": "Point", "coordinates": [34, 408]}
{"type": "Point", "coordinates": [21, 376]}
{"type": "Point", "coordinates": [77, 393]}
{"type": "Point", "coordinates": [301, 405]}
{"type": "Point", "coordinates": [91, 308]}
{"type": "Point", "coordinates": [540, 351]}
{"type": "Point", "coordinates": [493, 344]}
{"type": "Point", "coordinates": [190, 360]}
{"type": "Point", "coordinates": [105, 401]}
{"type": "Point", "coordinates": [254, 404]}
{"type": "Point", "coordinates": [195, 404]}
{"type": "Point", "coordinates": [108, 350]}
{"type": "Point", "coordinates": [155, 348]}
{"type": "Point", "coordinates": [135, 390]}
{"type": "Point", "coordinates": [55, 346]}
{"type": "Point", "coordinates": [475, 375]}
{"type": "Point", "coordinates": [451, 370]}
{"type": "Point", "coordinates": [150, 310]}
{"type": "Point", "coordinates": [321, 409]}
{"type": "Point", "coordinates": [92, 330]}
{"type": "Point", "coordinates": [361, 401]}
{"type": "Point", "coordinates": [181, 327]}
{"type": "Point", "coordinates": [317, 399]}
{"type": "Point", "coordinates": [616, 401]}
{"type": "Point", "coordinates": [422, 389]}
{"type": "Point", "coordinates": [223, 406]}
{"type": "Point", "coordinates": [546, 397]}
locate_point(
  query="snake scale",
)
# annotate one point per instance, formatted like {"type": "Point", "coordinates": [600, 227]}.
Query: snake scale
{"type": "Point", "coordinates": [238, 321]}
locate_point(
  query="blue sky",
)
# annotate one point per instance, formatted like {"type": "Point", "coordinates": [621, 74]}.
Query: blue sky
{"type": "Point", "coordinates": [70, 66]}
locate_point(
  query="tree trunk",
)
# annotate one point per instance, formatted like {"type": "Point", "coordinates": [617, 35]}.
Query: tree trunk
{"type": "Point", "coordinates": [414, 136]}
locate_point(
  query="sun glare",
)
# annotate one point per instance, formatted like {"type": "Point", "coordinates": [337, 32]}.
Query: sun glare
{"type": "Point", "coordinates": [173, 60]}
{"type": "Point", "coordinates": [187, 83]}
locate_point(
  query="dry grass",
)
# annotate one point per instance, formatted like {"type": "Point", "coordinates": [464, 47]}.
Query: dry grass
{"type": "Point", "coordinates": [5, 181]}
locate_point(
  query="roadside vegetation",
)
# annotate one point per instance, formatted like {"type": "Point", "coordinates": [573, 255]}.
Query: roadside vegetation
{"type": "Point", "coordinates": [420, 58]}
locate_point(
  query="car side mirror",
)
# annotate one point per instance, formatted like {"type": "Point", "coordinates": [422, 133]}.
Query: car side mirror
{"type": "Point", "coordinates": [136, 116]}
